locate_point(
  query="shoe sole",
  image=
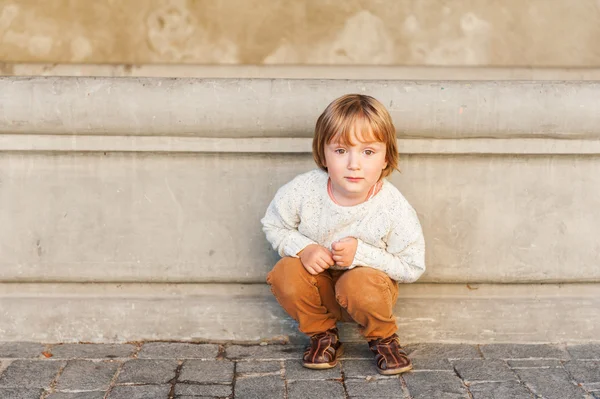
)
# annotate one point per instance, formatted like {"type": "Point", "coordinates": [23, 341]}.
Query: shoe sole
{"type": "Point", "coordinates": [395, 371]}
{"type": "Point", "coordinates": [324, 366]}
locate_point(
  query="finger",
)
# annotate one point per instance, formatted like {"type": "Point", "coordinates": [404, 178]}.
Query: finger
{"type": "Point", "coordinates": [318, 269]}
{"type": "Point", "coordinates": [329, 260]}
{"type": "Point", "coordinates": [311, 270]}
{"type": "Point", "coordinates": [322, 264]}
{"type": "Point", "coordinates": [334, 246]}
{"type": "Point", "coordinates": [337, 258]}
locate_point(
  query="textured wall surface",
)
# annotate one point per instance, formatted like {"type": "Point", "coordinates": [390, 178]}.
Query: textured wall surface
{"type": "Point", "coordinates": [387, 32]}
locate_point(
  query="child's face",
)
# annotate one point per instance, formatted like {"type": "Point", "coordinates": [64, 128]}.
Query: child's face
{"type": "Point", "coordinates": [354, 168]}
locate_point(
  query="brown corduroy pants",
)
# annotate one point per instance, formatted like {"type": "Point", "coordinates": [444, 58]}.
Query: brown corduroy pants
{"type": "Point", "coordinates": [363, 294]}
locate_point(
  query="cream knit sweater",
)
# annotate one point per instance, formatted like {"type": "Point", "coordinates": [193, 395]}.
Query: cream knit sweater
{"type": "Point", "coordinates": [388, 231]}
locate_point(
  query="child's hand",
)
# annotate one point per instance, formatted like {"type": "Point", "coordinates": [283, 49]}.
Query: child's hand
{"type": "Point", "coordinates": [316, 258]}
{"type": "Point", "coordinates": [344, 250]}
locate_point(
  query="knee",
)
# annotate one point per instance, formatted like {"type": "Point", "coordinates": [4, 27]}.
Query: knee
{"type": "Point", "coordinates": [289, 278]}
{"type": "Point", "coordinates": [363, 287]}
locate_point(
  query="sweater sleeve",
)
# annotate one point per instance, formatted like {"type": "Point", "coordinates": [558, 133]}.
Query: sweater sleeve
{"type": "Point", "coordinates": [404, 258]}
{"type": "Point", "coordinates": [280, 223]}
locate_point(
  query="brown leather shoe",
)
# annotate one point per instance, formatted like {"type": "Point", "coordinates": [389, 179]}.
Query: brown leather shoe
{"type": "Point", "coordinates": [389, 356]}
{"type": "Point", "coordinates": [323, 351]}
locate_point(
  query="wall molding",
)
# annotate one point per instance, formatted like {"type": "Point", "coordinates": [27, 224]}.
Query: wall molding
{"type": "Point", "coordinates": [173, 144]}
{"type": "Point", "coordinates": [362, 72]}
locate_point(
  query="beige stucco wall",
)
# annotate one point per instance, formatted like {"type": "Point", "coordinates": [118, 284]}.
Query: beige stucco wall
{"type": "Point", "coordinates": [561, 33]}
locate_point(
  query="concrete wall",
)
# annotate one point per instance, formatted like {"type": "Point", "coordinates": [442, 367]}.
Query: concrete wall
{"type": "Point", "coordinates": [126, 202]}
{"type": "Point", "coordinates": [539, 33]}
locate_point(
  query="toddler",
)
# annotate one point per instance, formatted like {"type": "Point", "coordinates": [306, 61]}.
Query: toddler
{"type": "Point", "coordinates": [346, 236]}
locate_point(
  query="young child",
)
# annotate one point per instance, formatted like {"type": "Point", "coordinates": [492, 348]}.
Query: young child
{"type": "Point", "coordinates": [347, 236]}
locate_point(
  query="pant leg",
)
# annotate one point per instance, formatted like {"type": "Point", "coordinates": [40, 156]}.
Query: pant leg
{"type": "Point", "coordinates": [369, 296]}
{"type": "Point", "coordinates": [308, 299]}
{"type": "Point", "coordinates": [344, 316]}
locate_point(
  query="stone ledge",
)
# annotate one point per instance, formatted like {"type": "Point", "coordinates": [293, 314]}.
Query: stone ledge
{"type": "Point", "coordinates": [246, 108]}
{"type": "Point", "coordinates": [450, 313]}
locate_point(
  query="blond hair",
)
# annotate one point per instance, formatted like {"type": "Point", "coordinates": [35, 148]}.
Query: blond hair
{"type": "Point", "coordinates": [359, 115]}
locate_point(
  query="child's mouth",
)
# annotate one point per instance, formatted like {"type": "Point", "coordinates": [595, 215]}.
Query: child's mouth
{"type": "Point", "coordinates": [354, 179]}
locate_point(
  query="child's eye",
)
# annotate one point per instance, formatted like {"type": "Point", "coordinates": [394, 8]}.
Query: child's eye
{"type": "Point", "coordinates": [340, 151]}
{"type": "Point", "coordinates": [369, 152]}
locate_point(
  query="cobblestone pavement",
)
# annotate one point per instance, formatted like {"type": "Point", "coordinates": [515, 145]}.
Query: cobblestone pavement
{"type": "Point", "coordinates": [185, 370]}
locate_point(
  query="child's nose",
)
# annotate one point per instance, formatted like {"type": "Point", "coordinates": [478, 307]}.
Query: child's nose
{"type": "Point", "coordinates": [353, 162]}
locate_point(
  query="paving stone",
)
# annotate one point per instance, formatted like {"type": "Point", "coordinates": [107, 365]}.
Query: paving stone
{"type": "Point", "coordinates": [587, 351]}
{"type": "Point", "coordinates": [4, 365]}
{"type": "Point", "coordinates": [591, 387]}
{"type": "Point", "coordinates": [20, 350]}
{"type": "Point", "coordinates": [190, 390]}
{"type": "Point", "coordinates": [359, 369]}
{"type": "Point", "coordinates": [534, 363]}
{"type": "Point", "coordinates": [140, 392]}
{"type": "Point", "coordinates": [264, 387]}
{"type": "Point", "coordinates": [443, 351]}
{"type": "Point", "coordinates": [20, 393]}
{"type": "Point", "coordinates": [484, 370]}
{"type": "Point", "coordinates": [267, 352]}
{"type": "Point", "coordinates": [307, 390]}
{"type": "Point", "coordinates": [30, 373]}
{"type": "Point", "coordinates": [357, 350]}
{"type": "Point", "coordinates": [584, 371]}
{"type": "Point", "coordinates": [295, 371]}
{"type": "Point", "coordinates": [500, 390]}
{"type": "Point", "coordinates": [521, 351]}
{"type": "Point", "coordinates": [77, 395]}
{"type": "Point", "coordinates": [550, 383]}
{"type": "Point", "coordinates": [257, 367]}
{"type": "Point", "coordinates": [376, 388]}
{"type": "Point", "coordinates": [87, 375]}
{"type": "Point", "coordinates": [92, 351]}
{"type": "Point", "coordinates": [207, 371]}
{"type": "Point", "coordinates": [428, 363]}
{"type": "Point", "coordinates": [174, 350]}
{"type": "Point", "coordinates": [147, 371]}
{"type": "Point", "coordinates": [435, 384]}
